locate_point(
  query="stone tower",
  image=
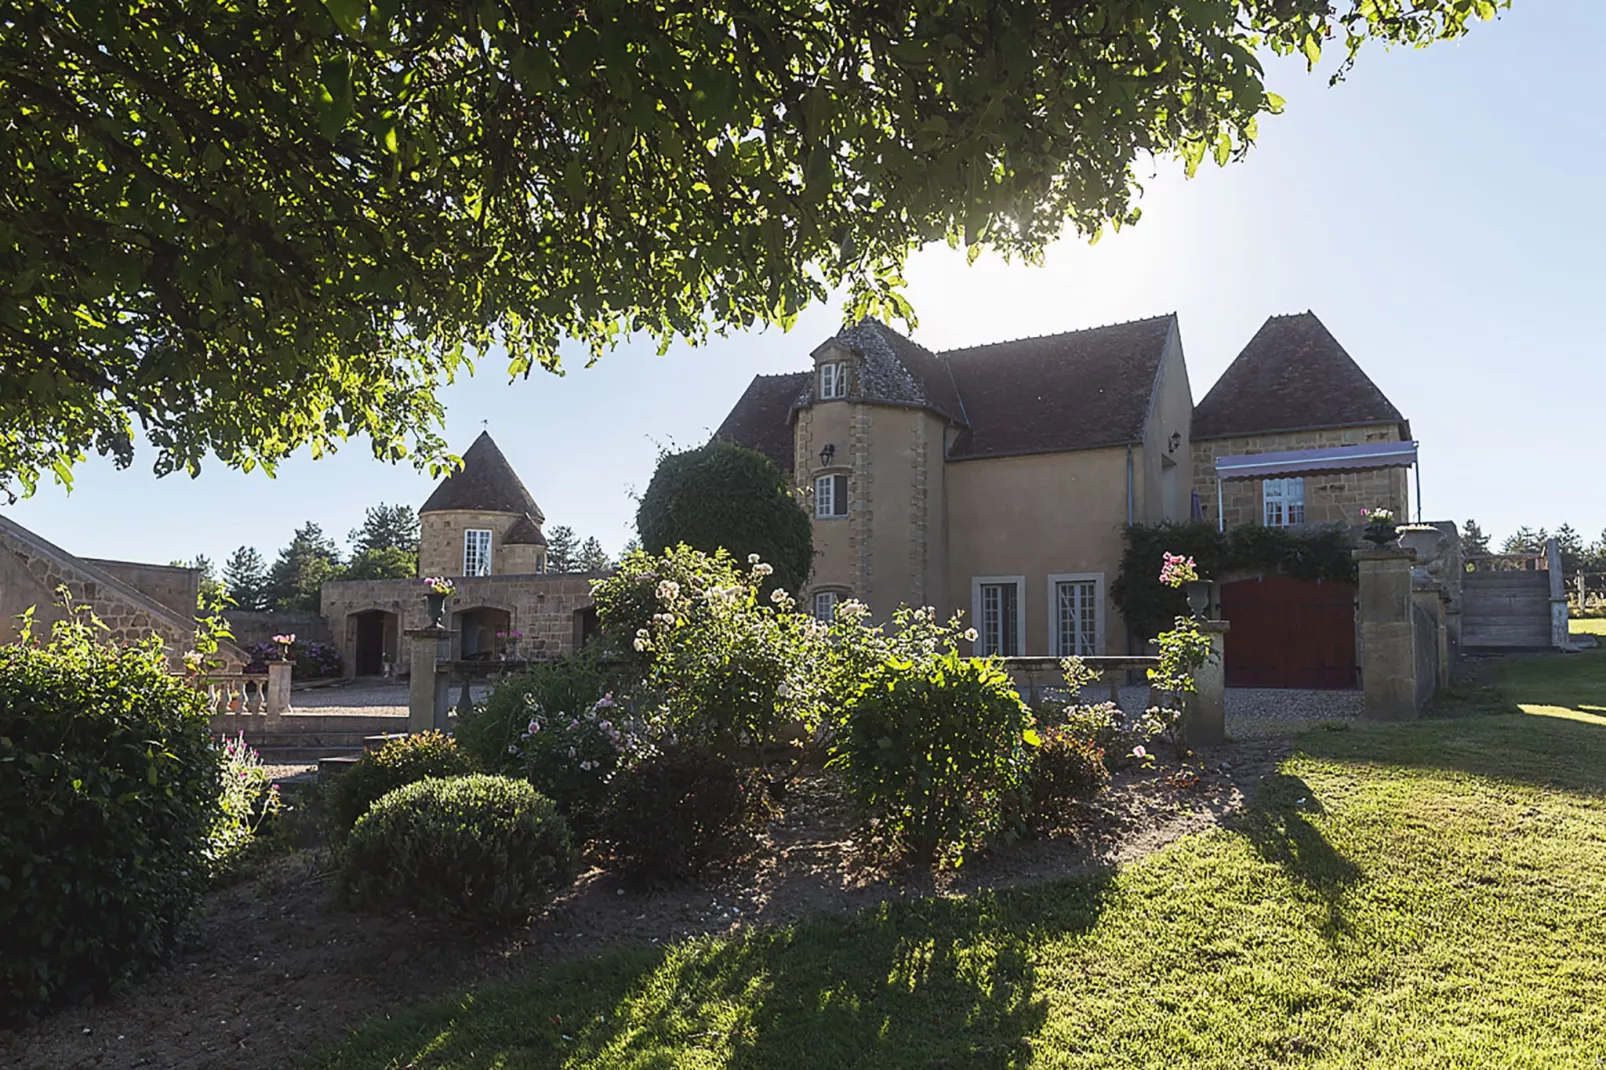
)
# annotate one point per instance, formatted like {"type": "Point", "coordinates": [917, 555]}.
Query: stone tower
{"type": "Point", "coordinates": [481, 520]}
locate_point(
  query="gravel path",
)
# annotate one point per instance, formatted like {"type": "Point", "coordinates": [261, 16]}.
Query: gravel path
{"type": "Point", "coordinates": [1258, 712]}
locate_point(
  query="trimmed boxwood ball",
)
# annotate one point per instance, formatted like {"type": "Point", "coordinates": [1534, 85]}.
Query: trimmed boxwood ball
{"type": "Point", "coordinates": [727, 496]}
{"type": "Point", "coordinates": [479, 847]}
{"type": "Point", "coordinates": [379, 772]}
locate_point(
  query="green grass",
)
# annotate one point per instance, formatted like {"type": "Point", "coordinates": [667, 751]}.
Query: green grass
{"type": "Point", "coordinates": [1411, 895]}
{"type": "Point", "coordinates": [1588, 626]}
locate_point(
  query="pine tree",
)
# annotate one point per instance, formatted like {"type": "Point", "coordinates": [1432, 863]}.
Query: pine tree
{"type": "Point", "coordinates": [1570, 545]}
{"type": "Point", "coordinates": [386, 527]}
{"type": "Point", "coordinates": [1525, 541]}
{"type": "Point", "coordinates": [592, 557]}
{"type": "Point", "coordinates": [245, 578]}
{"type": "Point", "coordinates": [302, 568]}
{"type": "Point", "coordinates": [560, 549]}
{"type": "Point", "coordinates": [1474, 540]}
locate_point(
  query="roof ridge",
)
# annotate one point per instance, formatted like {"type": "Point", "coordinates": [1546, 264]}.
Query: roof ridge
{"type": "Point", "coordinates": [1053, 334]}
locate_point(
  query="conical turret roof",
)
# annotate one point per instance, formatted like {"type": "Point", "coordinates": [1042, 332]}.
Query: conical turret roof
{"type": "Point", "coordinates": [486, 483]}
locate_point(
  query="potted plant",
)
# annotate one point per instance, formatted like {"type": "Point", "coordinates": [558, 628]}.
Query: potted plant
{"type": "Point", "coordinates": [1179, 571]}
{"type": "Point", "coordinates": [513, 644]}
{"type": "Point", "coordinates": [284, 642]}
{"type": "Point", "coordinates": [1380, 530]}
{"type": "Point", "coordinates": [440, 588]}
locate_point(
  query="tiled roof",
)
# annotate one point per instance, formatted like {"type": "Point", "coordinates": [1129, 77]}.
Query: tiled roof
{"type": "Point", "coordinates": [1292, 376]}
{"type": "Point", "coordinates": [1035, 395]}
{"type": "Point", "coordinates": [762, 418]}
{"type": "Point", "coordinates": [524, 532]}
{"type": "Point", "coordinates": [1059, 392]}
{"type": "Point", "coordinates": [485, 483]}
{"type": "Point", "coordinates": [892, 368]}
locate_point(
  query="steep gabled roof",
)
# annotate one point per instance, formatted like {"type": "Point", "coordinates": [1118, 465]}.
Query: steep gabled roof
{"type": "Point", "coordinates": [524, 532]}
{"type": "Point", "coordinates": [1292, 376]}
{"type": "Point", "coordinates": [1071, 391]}
{"type": "Point", "coordinates": [894, 369]}
{"type": "Point", "coordinates": [485, 483]}
{"type": "Point", "coordinates": [762, 417]}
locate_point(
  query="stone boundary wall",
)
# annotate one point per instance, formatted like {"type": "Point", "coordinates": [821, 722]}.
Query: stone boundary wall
{"type": "Point", "coordinates": [260, 626]}
{"type": "Point", "coordinates": [129, 614]}
{"type": "Point", "coordinates": [542, 606]}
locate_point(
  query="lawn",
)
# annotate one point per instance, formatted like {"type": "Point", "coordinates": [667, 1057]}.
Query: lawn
{"type": "Point", "coordinates": [1417, 895]}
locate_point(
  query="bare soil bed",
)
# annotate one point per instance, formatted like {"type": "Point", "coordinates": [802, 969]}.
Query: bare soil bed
{"type": "Point", "coordinates": [278, 968]}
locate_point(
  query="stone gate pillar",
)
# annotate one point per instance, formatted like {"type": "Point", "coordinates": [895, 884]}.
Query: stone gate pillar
{"type": "Point", "coordinates": [278, 698]}
{"type": "Point", "coordinates": [1204, 712]}
{"type": "Point", "coordinates": [1388, 636]}
{"type": "Point", "coordinates": [426, 698]}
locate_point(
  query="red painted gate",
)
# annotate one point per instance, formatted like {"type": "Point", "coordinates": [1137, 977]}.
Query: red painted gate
{"type": "Point", "coordinates": [1290, 633]}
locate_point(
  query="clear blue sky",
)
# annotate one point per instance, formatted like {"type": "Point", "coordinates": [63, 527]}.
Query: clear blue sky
{"type": "Point", "coordinates": [1441, 211]}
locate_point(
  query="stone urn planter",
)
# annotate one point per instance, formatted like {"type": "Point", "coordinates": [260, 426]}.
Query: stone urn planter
{"type": "Point", "coordinates": [1198, 597]}
{"type": "Point", "coordinates": [1425, 540]}
{"type": "Point", "coordinates": [1379, 535]}
{"type": "Point", "coordinates": [435, 605]}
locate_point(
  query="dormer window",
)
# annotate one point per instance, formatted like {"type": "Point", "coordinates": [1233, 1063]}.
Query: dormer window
{"type": "Point", "coordinates": [833, 381]}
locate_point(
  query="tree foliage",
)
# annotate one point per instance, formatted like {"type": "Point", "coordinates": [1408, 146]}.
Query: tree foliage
{"type": "Point", "coordinates": [560, 549]}
{"type": "Point", "coordinates": [592, 557]}
{"type": "Point", "coordinates": [301, 570]}
{"type": "Point", "coordinates": [386, 527]}
{"type": "Point", "coordinates": [245, 228]}
{"type": "Point", "coordinates": [245, 578]}
{"type": "Point", "coordinates": [724, 496]}
{"type": "Point", "coordinates": [1474, 540]}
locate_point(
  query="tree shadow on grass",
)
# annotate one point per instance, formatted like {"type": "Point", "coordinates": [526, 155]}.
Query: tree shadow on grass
{"type": "Point", "coordinates": [1280, 830]}
{"type": "Point", "coordinates": [918, 983]}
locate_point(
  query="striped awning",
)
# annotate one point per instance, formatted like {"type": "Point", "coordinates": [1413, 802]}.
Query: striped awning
{"type": "Point", "coordinates": [1327, 459]}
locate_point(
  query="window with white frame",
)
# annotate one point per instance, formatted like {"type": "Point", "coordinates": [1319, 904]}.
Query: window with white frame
{"type": "Point", "coordinates": [998, 603]}
{"type": "Point", "coordinates": [825, 605]}
{"type": "Point", "coordinates": [476, 552]}
{"type": "Point", "coordinates": [831, 496]}
{"type": "Point", "coordinates": [1076, 613]}
{"type": "Point", "coordinates": [833, 381]}
{"type": "Point", "coordinates": [1284, 502]}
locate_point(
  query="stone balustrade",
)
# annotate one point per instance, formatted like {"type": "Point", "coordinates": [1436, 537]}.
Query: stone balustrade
{"type": "Point", "coordinates": [247, 702]}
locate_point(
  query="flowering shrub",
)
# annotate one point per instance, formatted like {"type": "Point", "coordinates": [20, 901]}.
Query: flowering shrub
{"type": "Point", "coordinates": [248, 799]}
{"type": "Point", "coordinates": [492, 732]}
{"type": "Point", "coordinates": [480, 847]}
{"type": "Point", "coordinates": [721, 666]}
{"type": "Point", "coordinates": [379, 772]}
{"type": "Point", "coordinates": [312, 660]}
{"type": "Point", "coordinates": [571, 757]}
{"type": "Point", "coordinates": [933, 746]}
{"type": "Point", "coordinates": [1178, 571]}
{"type": "Point", "coordinates": [1183, 651]}
{"type": "Point", "coordinates": [673, 813]}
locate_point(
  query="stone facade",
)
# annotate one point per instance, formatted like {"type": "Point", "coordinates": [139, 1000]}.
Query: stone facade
{"type": "Point", "coordinates": [32, 569]}
{"type": "Point", "coordinates": [1330, 498]}
{"type": "Point", "coordinates": [551, 611]}
{"type": "Point", "coordinates": [440, 543]}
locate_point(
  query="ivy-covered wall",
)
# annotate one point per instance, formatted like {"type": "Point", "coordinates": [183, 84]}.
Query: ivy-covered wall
{"type": "Point", "coordinates": [1149, 606]}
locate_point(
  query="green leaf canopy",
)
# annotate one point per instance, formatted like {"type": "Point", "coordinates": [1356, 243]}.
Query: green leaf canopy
{"type": "Point", "coordinates": [249, 227]}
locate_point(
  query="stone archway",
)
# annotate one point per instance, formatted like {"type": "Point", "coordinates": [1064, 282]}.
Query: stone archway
{"type": "Point", "coordinates": [477, 629]}
{"type": "Point", "coordinates": [374, 642]}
